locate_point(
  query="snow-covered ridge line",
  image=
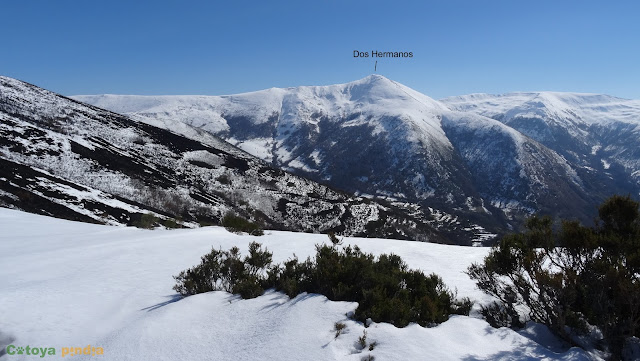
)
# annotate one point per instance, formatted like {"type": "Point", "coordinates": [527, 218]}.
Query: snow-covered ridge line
{"type": "Point", "coordinates": [578, 107]}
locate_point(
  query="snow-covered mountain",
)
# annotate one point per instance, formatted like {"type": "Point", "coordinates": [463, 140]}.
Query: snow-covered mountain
{"type": "Point", "coordinates": [377, 137]}
{"type": "Point", "coordinates": [599, 134]}
{"type": "Point", "coordinates": [64, 158]}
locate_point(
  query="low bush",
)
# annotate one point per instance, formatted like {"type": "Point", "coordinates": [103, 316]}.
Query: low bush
{"type": "Point", "coordinates": [147, 221]}
{"type": "Point", "coordinates": [238, 224]}
{"type": "Point", "coordinates": [497, 315]}
{"type": "Point", "coordinates": [226, 271]}
{"type": "Point", "coordinates": [170, 223]}
{"type": "Point", "coordinates": [385, 288]}
{"type": "Point", "coordinates": [572, 279]}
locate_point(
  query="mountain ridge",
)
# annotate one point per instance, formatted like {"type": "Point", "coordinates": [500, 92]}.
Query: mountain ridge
{"type": "Point", "coordinates": [598, 133]}
{"type": "Point", "coordinates": [378, 137]}
{"type": "Point", "coordinates": [62, 157]}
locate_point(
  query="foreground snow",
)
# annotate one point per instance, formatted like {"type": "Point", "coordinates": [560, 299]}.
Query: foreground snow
{"type": "Point", "coordinates": [68, 284]}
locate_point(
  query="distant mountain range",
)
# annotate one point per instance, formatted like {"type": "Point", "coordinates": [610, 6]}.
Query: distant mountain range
{"type": "Point", "coordinates": [485, 161]}
{"type": "Point", "coordinates": [599, 135]}
{"type": "Point", "coordinates": [458, 170]}
{"type": "Point", "coordinates": [71, 160]}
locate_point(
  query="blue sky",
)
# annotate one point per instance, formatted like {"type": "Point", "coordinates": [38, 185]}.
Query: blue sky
{"type": "Point", "coordinates": [214, 47]}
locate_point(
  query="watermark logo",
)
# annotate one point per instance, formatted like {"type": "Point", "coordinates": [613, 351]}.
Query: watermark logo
{"type": "Point", "coordinates": [75, 351]}
{"type": "Point", "coordinates": [51, 351]}
{"type": "Point", "coordinates": [32, 351]}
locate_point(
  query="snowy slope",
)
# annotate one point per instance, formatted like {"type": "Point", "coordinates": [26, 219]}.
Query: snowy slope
{"type": "Point", "coordinates": [378, 137]}
{"type": "Point", "coordinates": [70, 284]}
{"type": "Point", "coordinates": [519, 173]}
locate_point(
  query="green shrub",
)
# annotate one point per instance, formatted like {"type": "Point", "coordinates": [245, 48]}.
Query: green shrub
{"type": "Point", "coordinates": [292, 278]}
{"type": "Point", "coordinates": [238, 224]}
{"type": "Point", "coordinates": [147, 221]}
{"type": "Point", "coordinates": [570, 278]}
{"type": "Point", "coordinates": [226, 271]}
{"type": "Point", "coordinates": [498, 315]}
{"type": "Point", "coordinates": [249, 287]}
{"type": "Point", "coordinates": [385, 289]}
{"type": "Point", "coordinates": [170, 223]}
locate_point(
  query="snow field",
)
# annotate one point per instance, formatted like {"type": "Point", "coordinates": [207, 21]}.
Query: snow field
{"type": "Point", "coordinates": [69, 284]}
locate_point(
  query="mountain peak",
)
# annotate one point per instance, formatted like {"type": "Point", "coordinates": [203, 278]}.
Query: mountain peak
{"type": "Point", "coordinates": [374, 77]}
{"type": "Point", "coordinates": [374, 80]}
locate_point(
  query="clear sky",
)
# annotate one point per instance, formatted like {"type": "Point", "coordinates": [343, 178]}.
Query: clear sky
{"type": "Point", "coordinates": [224, 47]}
